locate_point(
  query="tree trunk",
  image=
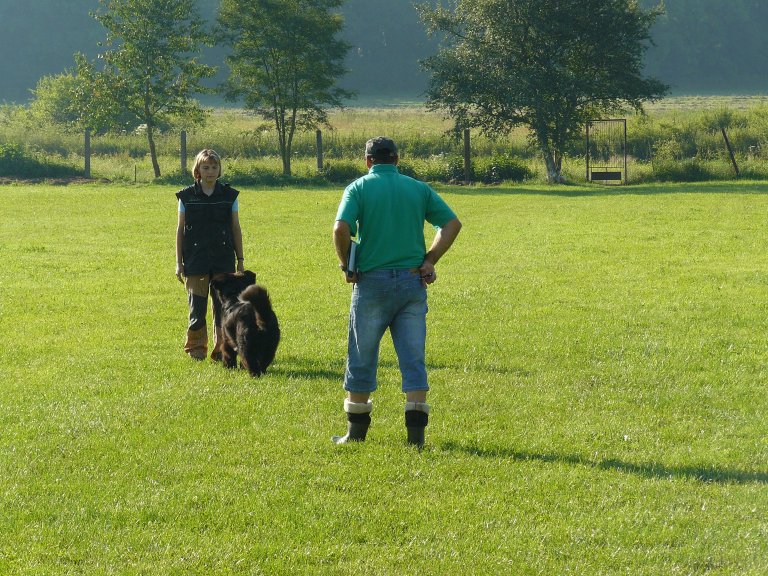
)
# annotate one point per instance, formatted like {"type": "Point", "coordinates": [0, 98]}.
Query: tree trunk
{"type": "Point", "coordinates": [149, 119]}
{"type": "Point", "coordinates": [554, 164]}
{"type": "Point", "coordinates": [285, 148]}
{"type": "Point", "coordinates": [286, 163]}
{"type": "Point", "coordinates": [290, 131]}
{"type": "Point", "coordinates": [152, 149]}
{"type": "Point", "coordinates": [285, 154]}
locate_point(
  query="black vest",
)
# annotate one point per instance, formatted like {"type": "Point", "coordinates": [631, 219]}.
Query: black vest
{"type": "Point", "coordinates": [208, 246]}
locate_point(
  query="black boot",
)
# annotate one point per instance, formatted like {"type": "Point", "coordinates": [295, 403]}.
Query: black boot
{"type": "Point", "coordinates": [357, 428]}
{"type": "Point", "coordinates": [416, 420]}
{"type": "Point", "coordinates": [358, 421]}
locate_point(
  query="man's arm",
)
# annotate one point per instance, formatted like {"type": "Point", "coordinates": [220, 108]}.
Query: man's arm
{"type": "Point", "coordinates": [342, 238]}
{"type": "Point", "coordinates": [440, 245]}
{"type": "Point", "coordinates": [341, 241]}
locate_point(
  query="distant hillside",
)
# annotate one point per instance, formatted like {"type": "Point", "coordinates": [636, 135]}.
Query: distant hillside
{"type": "Point", "coordinates": [706, 46]}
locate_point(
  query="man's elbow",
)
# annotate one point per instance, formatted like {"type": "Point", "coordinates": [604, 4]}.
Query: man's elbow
{"type": "Point", "coordinates": [340, 229]}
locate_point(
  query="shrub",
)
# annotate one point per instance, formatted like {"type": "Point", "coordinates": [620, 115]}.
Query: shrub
{"type": "Point", "coordinates": [500, 168]}
{"type": "Point", "coordinates": [343, 171]}
{"type": "Point", "coordinates": [407, 169]}
{"type": "Point", "coordinates": [425, 169]}
{"type": "Point", "coordinates": [11, 154]}
{"type": "Point", "coordinates": [450, 169]}
{"type": "Point", "coordinates": [254, 175]}
{"type": "Point", "coordinates": [454, 170]}
{"type": "Point", "coordinates": [722, 117]}
{"type": "Point", "coordinates": [668, 150]}
{"type": "Point", "coordinates": [690, 170]}
{"type": "Point", "coordinates": [16, 162]}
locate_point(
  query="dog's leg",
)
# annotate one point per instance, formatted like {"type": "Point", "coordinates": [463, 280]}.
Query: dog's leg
{"type": "Point", "coordinates": [228, 354]}
{"type": "Point", "coordinates": [227, 350]}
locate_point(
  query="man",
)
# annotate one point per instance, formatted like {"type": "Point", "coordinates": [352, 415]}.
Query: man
{"type": "Point", "coordinates": [386, 211]}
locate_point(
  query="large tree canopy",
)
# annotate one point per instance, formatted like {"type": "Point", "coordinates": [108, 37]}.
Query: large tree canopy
{"type": "Point", "coordinates": [285, 59]}
{"type": "Point", "coordinates": [551, 65]}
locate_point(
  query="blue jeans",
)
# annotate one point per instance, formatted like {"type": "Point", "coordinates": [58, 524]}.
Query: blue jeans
{"type": "Point", "coordinates": [382, 299]}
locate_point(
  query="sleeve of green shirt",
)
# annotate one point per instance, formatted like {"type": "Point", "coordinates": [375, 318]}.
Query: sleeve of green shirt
{"type": "Point", "coordinates": [349, 210]}
{"type": "Point", "coordinates": [438, 212]}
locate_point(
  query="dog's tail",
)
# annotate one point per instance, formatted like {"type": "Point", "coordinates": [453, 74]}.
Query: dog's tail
{"type": "Point", "coordinates": [258, 297]}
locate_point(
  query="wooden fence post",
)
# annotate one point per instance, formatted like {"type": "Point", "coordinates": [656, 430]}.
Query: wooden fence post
{"type": "Point", "coordinates": [586, 156]}
{"type": "Point", "coordinates": [319, 139]}
{"type": "Point", "coordinates": [467, 159]}
{"type": "Point", "coordinates": [183, 151]}
{"type": "Point", "coordinates": [730, 152]}
{"type": "Point", "coordinates": [87, 153]}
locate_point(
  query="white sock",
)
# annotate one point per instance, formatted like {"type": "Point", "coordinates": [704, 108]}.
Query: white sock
{"type": "Point", "coordinates": [358, 407]}
{"type": "Point", "coordinates": [420, 406]}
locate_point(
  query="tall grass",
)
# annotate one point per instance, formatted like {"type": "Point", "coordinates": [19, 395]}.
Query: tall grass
{"type": "Point", "coordinates": [678, 139]}
{"type": "Point", "coordinates": [598, 369]}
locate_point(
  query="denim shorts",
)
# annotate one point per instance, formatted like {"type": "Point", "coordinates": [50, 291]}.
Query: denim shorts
{"type": "Point", "coordinates": [382, 299]}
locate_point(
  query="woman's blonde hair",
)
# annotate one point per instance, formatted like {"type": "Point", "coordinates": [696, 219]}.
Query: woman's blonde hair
{"type": "Point", "coordinates": [205, 156]}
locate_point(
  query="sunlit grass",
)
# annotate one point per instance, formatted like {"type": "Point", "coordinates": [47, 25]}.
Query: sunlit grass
{"type": "Point", "coordinates": [598, 368]}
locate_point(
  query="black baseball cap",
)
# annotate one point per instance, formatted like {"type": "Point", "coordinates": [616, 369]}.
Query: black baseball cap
{"type": "Point", "coordinates": [381, 147]}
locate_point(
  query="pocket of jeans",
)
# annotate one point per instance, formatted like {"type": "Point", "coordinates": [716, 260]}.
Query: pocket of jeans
{"type": "Point", "coordinates": [370, 284]}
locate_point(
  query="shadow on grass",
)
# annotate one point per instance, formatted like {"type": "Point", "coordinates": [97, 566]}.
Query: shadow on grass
{"type": "Point", "coordinates": [651, 470]}
{"type": "Point", "coordinates": [293, 367]}
{"type": "Point", "coordinates": [586, 190]}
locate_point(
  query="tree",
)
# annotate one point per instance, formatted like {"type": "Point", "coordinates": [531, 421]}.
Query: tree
{"type": "Point", "coordinates": [284, 62]}
{"type": "Point", "coordinates": [54, 101]}
{"type": "Point", "coordinates": [151, 70]}
{"type": "Point", "coordinates": [80, 98]}
{"type": "Point", "coordinates": [550, 65]}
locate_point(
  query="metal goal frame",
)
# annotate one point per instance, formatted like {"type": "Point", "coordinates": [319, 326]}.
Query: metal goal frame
{"type": "Point", "coordinates": [606, 156]}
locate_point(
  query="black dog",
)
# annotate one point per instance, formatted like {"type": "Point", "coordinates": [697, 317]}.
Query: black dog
{"type": "Point", "coordinates": [248, 323]}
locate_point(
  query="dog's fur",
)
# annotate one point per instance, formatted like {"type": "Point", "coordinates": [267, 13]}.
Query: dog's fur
{"type": "Point", "coordinates": [249, 325]}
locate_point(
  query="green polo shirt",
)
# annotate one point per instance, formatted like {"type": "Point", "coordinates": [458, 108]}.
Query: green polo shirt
{"type": "Point", "coordinates": [386, 211]}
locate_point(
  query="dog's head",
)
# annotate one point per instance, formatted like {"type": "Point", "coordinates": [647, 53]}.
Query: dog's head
{"type": "Point", "coordinates": [259, 346]}
{"type": "Point", "coordinates": [229, 286]}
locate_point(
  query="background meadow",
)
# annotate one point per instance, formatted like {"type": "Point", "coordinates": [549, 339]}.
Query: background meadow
{"type": "Point", "coordinates": [679, 139]}
{"type": "Point", "coordinates": [598, 364]}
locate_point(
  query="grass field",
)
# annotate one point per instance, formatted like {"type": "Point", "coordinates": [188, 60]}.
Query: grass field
{"type": "Point", "coordinates": [598, 368]}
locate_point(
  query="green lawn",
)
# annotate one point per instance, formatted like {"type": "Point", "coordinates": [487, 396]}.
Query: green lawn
{"type": "Point", "coordinates": [597, 359]}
